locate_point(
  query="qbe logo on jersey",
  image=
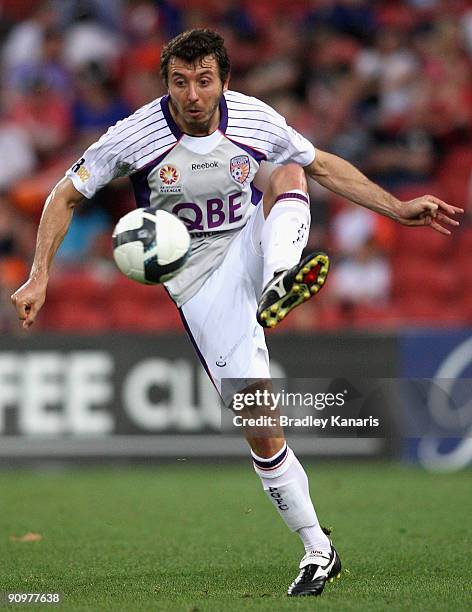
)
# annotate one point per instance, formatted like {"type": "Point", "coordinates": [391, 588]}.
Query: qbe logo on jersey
{"type": "Point", "coordinates": [169, 176]}
{"type": "Point", "coordinates": [239, 168]}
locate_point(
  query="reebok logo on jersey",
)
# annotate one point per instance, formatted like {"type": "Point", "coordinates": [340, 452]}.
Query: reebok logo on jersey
{"type": "Point", "coordinates": [205, 166]}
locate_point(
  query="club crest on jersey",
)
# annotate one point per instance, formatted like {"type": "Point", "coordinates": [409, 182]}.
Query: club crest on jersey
{"type": "Point", "coordinates": [239, 168]}
{"type": "Point", "coordinates": [169, 177]}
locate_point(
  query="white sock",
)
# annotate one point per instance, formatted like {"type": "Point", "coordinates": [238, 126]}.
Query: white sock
{"type": "Point", "coordinates": [311, 539]}
{"type": "Point", "coordinates": [286, 485]}
{"type": "Point", "coordinates": [285, 232]}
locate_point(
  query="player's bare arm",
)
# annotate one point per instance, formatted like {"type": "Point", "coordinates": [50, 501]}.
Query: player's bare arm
{"type": "Point", "coordinates": [343, 178]}
{"type": "Point", "coordinates": [55, 221]}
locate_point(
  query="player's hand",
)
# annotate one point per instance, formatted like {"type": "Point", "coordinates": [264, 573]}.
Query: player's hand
{"type": "Point", "coordinates": [430, 211]}
{"type": "Point", "coordinates": [28, 300]}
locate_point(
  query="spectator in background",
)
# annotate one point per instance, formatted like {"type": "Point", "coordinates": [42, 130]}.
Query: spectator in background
{"type": "Point", "coordinates": [446, 85]}
{"type": "Point", "coordinates": [355, 18]}
{"type": "Point", "coordinates": [361, 274]}
{"type": "Point", "coordinates": [239, 19]}
{"type": "Point", "coordinates": [398, 158]}
{"type": "Point", "coordinates": [88, 40]}
{"type": "Point", "coordinates": [108, 13]}
{"type": "Point", "coordinates": [45, 114]}
{"type": "Point", "coordinates": [363, 278]}
{"type": "Point", "coordinates": [98, 103]}
{"type": "Point", "coordinates": [351, 228]}
{"type": "Point", "coordinates": [466, 27]}
{"type": "Point", "coordinates": [17, 238]}
{"type": "Point", "coordinates": [396, 145]}
{"type": "Point", "coordinates": [393, 70]}
{"type": "Point", "coordinates": [17, 153]}
{"type": "Point", "coordinates": [48, 66]}
{"type": "Point", "coordinates": [25, 39]}
{"type": "Point", "coordinates": [280, 71]}
{"type": "Point", "coordinates": [141, 79]}
{"type": "Point", "coordinates": [332, 87]}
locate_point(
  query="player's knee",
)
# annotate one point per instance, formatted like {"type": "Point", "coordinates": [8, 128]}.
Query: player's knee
{"type": "Point", "coordinates": [267, 447]}
{"type": "Point", "coordinates": [286, 178]}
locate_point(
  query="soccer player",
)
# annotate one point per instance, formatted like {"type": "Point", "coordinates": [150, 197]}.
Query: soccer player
{"type": "Point", "coordinates": [195, 152]}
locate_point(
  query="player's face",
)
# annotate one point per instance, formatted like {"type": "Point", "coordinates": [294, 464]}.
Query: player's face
{"type": "Point", "coordinates": [195, 91]}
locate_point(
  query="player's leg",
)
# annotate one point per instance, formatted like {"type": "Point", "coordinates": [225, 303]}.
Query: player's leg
{"type": "Point", "coordinates": [286, 206]}
{"type": "Point", "coordinates": [220, 320]}
{"type": "Point", "coordinates": [288, 281]}
{"type": "Point", "coordinates": [282, 475]}
{"type": "Point", "coordinates": [286, 485]}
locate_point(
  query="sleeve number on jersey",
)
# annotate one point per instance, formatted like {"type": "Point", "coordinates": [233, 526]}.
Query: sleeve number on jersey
{"type": "Point", "coordinates": [215, 213]}
{"type": "Point", "coordinates": [78, 164]}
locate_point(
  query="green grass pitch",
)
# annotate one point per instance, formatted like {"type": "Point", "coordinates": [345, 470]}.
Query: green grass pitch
{"type": "Point", "coordinates": [193, 537]}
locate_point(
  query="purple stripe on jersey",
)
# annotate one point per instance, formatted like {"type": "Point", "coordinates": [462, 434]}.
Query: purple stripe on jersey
{"type": "Point", "coordinates": [256, 195]}
{"type": "Point", "coordinates": [254, 153]}
{"type": "Point", "coordinates": [223, 115]}
{"type": "Point", "coordinates": [293, 196]}
{"type": "Point", "coordinates": [195, 346]}
{"type": "Point", "coordinates": [142, 191]}
{"type": "Point", "coordinates": [139, 180]}
{"type": "Point", "coordinates": [174, 128]}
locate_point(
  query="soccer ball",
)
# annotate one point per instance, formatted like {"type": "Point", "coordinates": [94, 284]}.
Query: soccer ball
{"type": "Point", "coordinates": [150, 246]}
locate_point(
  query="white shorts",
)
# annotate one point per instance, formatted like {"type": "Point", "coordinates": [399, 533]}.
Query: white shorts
{"type": "Point", "coordinates": [221, 318]}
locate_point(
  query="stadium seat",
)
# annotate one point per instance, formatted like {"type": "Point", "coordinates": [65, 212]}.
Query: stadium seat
{"type": "Point", "coordinates": [136, 307]}
{"type": "Point", "coordinates": [330, 318]}
{"type": "Point", "coordinates": [464, 242]}
{"type": "Point", "coordinates": [130, 317]}
{"type": "Point", "coordinates": [423, 242]}
{"type": "Point", "coordinates": [77, 285]}
{"type": "Point", "coordinates": [418, 276]}
{"type": "Point", "coordinates": [455, 174]}
{"type": "Point", "coordinates": [368, 317]}
{"type": "Point", "coordinates": [122, 288]}
{"type": "Point", "coordinates": [421, 310]}
{"type": "Point", "coordinates": [83, 319]}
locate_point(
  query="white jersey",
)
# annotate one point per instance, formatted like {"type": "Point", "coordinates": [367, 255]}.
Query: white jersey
{"type": "Point", "coordinates": [206, 181]}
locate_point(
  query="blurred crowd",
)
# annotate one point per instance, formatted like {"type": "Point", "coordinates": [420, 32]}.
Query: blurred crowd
{"type": "Point", "coordinates": [384, 84]}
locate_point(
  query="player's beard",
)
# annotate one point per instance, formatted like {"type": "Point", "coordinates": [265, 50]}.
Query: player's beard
{"type": "Point", "coordinates": [204, 125]}
{"type": "Point", "coordinates": [198, 127]}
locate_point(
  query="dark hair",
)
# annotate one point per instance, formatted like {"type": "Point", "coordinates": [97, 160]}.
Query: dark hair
{"type": "Point", "coordinates": [193, 45]}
